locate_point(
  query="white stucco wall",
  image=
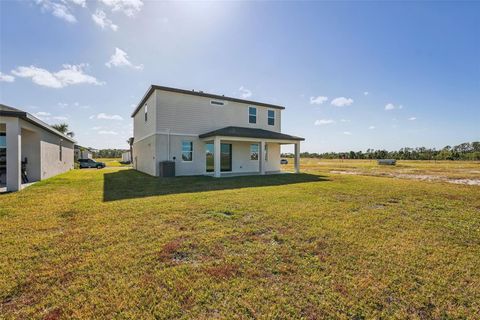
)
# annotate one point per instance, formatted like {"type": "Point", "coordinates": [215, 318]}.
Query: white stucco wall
{"type": "Point", "coordinates": [41, 148]}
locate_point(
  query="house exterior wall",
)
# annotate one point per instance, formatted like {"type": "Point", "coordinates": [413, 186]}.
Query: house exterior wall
{"type": "Point", "coordinates": [51, 164]}
{"type": "Point", "coordinates": [40, 147]}
{"type": "Point", "coordinates": [184, 113]}
{"type": "Point", "coordinates": [145, 156]}
{"type": "Point", "coordinates": [142, 128]}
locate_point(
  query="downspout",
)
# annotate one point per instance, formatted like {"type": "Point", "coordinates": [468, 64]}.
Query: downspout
{"type": "Point", "coordinates": [168, 144]}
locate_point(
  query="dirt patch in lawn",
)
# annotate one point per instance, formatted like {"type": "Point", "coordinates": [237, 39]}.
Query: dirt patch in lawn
{"type": "Point", "coordinates": [421, 177]}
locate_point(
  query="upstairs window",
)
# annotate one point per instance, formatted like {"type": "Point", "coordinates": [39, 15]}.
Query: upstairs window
{"type": "Point", "coordinates": [271, 117]}
{"type": "Point", "coordinates": [254, 151]}
{"type": "Point", "coordinates": [146, 112]}
{"type": "Point", "coordinates": [187, 150]}
{"type": "Point", "coordinates": [252, 115]}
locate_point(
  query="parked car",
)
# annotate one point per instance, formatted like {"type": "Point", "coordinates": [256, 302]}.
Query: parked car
{"type": "Point", "coordinates": [283, 161]}
{"type": "Point", "coordinates": [90, 163]}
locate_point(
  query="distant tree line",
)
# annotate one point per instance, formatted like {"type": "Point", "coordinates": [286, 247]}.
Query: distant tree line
{"type": "Point", "coordinates": [463, 151]}
{"type": "Point", "coordinates": [108, 153]}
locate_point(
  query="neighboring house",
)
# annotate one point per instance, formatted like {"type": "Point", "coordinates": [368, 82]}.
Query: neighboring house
{"type": "Point", "coordinates": [82, 152]}
{"type": "Point", "coordinates": [207, 134]}
{"type": "Point", "coordinates": [28, 142]}
{"type": "Point", "coordinates": [126, 157]}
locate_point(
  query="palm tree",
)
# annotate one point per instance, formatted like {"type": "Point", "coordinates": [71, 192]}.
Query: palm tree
{"type": "Point", "coordinates": [63, 128]}
{"type": "Point", "coordinates": [130, 143]}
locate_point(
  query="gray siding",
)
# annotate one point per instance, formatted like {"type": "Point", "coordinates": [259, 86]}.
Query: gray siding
{"type": "Point", "coordinates": [183, 113]}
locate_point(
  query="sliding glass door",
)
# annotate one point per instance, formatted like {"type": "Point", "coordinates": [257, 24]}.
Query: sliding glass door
{"type": "Point", "coordinates": [225, 157]}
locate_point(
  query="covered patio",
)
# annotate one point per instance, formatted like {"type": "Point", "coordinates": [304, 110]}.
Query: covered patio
{"type": "Point", "coordinates": [219, 145]}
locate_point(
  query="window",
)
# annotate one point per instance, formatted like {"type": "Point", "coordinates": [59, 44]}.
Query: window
{"type": "Point", "coordinates": [254, 151]}
{"type": "Point", "coordinates": [146, 112]}
{"type": "Point", "coordinates": [187, 150]}
{"type": "Point", "coordinates": [60, 156]}
{"type": "Point", "coordinates": [217, 102]}
{"type": "Point", "coordinates": [252, 115]}
{"type": "Point", "coordinates": [271, 117]}
{"type": "Point", "coordinates": [3, 140]}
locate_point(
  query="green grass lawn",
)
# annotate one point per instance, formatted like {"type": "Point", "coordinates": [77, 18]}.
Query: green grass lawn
{"type": "Point", "coordinates": [115, 243]}
{"type": "Point", "coordinates": [112, 162]}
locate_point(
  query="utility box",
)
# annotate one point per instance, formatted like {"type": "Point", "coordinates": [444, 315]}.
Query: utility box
{"type": "Point", "coordinates": [167, 168]}
{"type": "Point", "coordinates": [387, 162]}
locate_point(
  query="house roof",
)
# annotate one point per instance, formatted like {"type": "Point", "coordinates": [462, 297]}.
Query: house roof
{"type": "Point", "coordinates": [7, 111]}
{"type": "Point", "coordinates": [250, 133]}
{"type": "Point", "coordinates": [200, 94]}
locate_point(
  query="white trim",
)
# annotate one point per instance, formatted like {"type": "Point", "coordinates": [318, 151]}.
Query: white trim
{"type": "Point", "coordinates": [257, 140]}
{"type": "Point", "coordinates": [268, 118]}
{"type": "Point", "coordinates": [256, 115]}
{"type": "Point", "coordinates": [165, 133]}
{"type": "Point", "coordinates": [181, 151]}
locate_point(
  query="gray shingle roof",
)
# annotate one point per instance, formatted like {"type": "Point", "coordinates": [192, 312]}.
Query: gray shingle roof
{"type": "Point", "coordinates": [250, 133]}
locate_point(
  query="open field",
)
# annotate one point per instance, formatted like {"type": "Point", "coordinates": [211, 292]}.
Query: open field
{"type": "Point", "coordinates": [115, 243]}
{"type": "Point", "coordinates": [112, 162]}
{"type": "Point", "coordinates": [457, 172]}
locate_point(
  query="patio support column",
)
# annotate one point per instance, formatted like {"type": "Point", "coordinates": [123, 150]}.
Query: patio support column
{"type": "Point", "coordinates": [297, 157]}
{"type": "Point", "coordinates": [261, 155]}
{"type": "Point", "coordinates": [14, 154]}
{"type": "Point", "coordinates": [216, 157]}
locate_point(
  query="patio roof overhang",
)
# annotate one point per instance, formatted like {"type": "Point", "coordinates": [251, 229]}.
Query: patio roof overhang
{"type": "Point", "coordinates": [242, 133]}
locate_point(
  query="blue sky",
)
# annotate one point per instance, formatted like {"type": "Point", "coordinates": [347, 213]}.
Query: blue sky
{"type": "Point", "coordinates": [352, 75]}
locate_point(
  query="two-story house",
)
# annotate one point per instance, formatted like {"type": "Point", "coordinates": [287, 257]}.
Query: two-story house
{"type": "Point", "coordinates": [207, 134]}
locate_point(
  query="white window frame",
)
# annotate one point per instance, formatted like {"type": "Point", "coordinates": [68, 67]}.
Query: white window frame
{"type": "Point", "coordinates": [146, 112]}
{"type": "Point", "coordinates": [251, 115]}
{"type": "Point", "coordinates": [268, 117]}
{"type": "Point", "coordinates": [182, 151]}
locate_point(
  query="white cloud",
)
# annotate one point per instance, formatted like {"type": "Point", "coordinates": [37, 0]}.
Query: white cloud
{"type": "Point", "coordinates": [366, 93]}
{"type": "Point", "coordinates": [109, 132]}
{"type": "Point", "coordinates": [245, 93]}
{"type": "Point", "coordinates": [348, 133]}
{"type": "Point", "coordinates": [69, 75]}
{"type": "Point", "coordinates": [105, 116]}
{"type": "Point", "coordinates": [59, 10]}
{"type": "Point", "coordinates": [318, 100]}
{"type": "Point", "coordinates": [412, 118]}
{"type": "Point", "coordinates": [81, 3]}
{"type": "Point", "coordinates": [128, 7]}
{"type": "Point", "coordinates": [322, 122]}
{"type": "Point", "coordinates": [344, 120]}
{"type": "Point", "coordinates": [342, 102]}
{"type": "Point", "coordinates": [6, 78]}
{"type": "Point", "coordinates": [391, 106]}
{"type": "Point", "coordinates": [100, 18]}
{"type": "Point", "coordinates": [371, 127]}
{"type": "Point", "coordinates": [120, 59]}
{"type": "Point", "coordinates": [63, 118]}
{"type": "Point", "coordinates": [42, 114]}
